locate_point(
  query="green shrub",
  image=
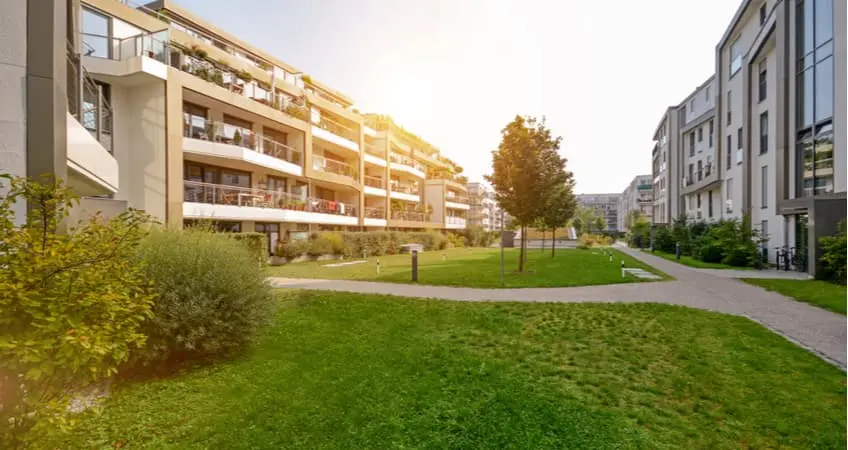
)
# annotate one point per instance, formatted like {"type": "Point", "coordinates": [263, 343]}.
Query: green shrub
{"type": "Point", "coordinates": [256, 243]}
{"type": "Point", "coordinates": [336, 241]}
{"type": "Point", "coordinates": [211, 297]}
{"type": "Point", "coordinates": [292, 249]}
{"type": "Point", "coordinates": [319, 246]}
{"type": "Point", "coordinates": [663, 241]}
{"type": "Point", "coordinates": [456, 240]}
{"type": "Point", "coordinates": [833, 256]}
{"type": "Point", "coordinates": [710, 252]}
{"type": "Point", "coordinates": [72, 306]}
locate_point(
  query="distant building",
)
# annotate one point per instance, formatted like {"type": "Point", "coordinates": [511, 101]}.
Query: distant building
{"type": "Point", "coordinates": [485, 210]}
{"type": "Point", "coordinates": [605, 205]}
{"type": "Point", "coordinates": [638, 196]}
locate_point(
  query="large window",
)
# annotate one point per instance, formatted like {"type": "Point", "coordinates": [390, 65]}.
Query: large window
{"type": "Point", "coordinates": [814, 116]}
{"type": "Point", "coordinates": [709, 203]}
{"type": "Point", "coordinates": [727, 150]}
{"type": "Point", "coordinates": [692, 143]}
{"type": "Point", "coordinates": [701, 134]}
{"type": "Point", "coordinates": [96, 29]}
{"type": "Point", "coordinates": [728, 106]}
{"type": "Point", "coordinates": [735, 57]}
{"type": "Point", "coordinates": [711, 134]}
{"type": "Point", "coordinates": [763, 85]}
{"type": "Point", "coordinates": [764, 124]}
{"type": "Point", "coordinates": [764, 187]}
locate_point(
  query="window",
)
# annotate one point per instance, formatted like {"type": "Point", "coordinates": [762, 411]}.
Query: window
{"type": "Point", "coordinates": [691, 171]}
{"type": "Point", "coordinates": [699, 200]}
{"type": "Point", "coordinates": [739, 145]}
{"type": "Point", "coordinates": [764, 124]}
{"type": "Point", "coordinates": [728, 189]}
{"type": "Point", "coordinates": [96, 29]}
{"type": "Point", "coordinates": [701, 134]}
{"type": "Point", "coordinates": [735, 57]}
{"type": "Point", "coordinates": [764, 187]}
{"type": "Point", "coordinates": [727, 107]}
{"type": "Point", "coordinates": [692, 144]}
{"type": "Point", "coordinates": [763, 14]}
{"type": "Point", "coordinates": [711, 134]}
{"type": "Point", "coordinates": [764, 229]}
{"type": "Point", "coordinates": [700, 171]}
{"type": "Point", "coordinates": [692, 106]}
{"type": "Point", "coordinates": [814, 97]}
{"type": "Point", "coordinates": [727, 150]}
{"type": "Point", "coordinates": [709, 203]}
{"type": "Point", "coordinates": [762, 86]}
{"type": "Point", "coordinates": [707, 94]}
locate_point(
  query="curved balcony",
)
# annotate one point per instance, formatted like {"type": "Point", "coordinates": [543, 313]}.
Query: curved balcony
{"type": "Point", "coordinates": [375, 186]}
{"type": "Point", "coordinates": [408, 165]}
{"type": "Point", "coordinates": [375, 216]}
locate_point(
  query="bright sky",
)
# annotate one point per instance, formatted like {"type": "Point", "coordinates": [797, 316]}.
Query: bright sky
{"type": "Point", "coordinates": [455, 72]}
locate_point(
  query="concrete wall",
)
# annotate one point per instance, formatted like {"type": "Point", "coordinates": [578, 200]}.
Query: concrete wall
{"type": "Point", "coordinates": [434, 195]}
{"type": "Point", "coordinates": [13, 60]}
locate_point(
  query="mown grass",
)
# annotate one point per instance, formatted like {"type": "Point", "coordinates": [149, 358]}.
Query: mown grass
{"type": "Point", "coordinates": [481, 268]}
{"type": "Point", "coordinates": [346, 371]}
{"type": "Point", "coordinates": [823, 294]}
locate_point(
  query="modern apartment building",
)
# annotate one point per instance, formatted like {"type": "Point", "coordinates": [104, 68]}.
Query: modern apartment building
{"type": "Point", "coordinates": [665, 166]}
{"type": "Point", "coordinates": [605, 205]}
{"type": "Point", "coordinates": [638, 196]}
{"type": "Point", "coordinates": [485, 210]}
{"type": "Point", "coordinates": [778, 113]}
{"type": "Point", "coordinates": [197, 124]}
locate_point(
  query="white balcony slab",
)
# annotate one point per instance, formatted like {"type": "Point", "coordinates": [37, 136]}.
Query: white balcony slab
{"type": "Point", "coordinates": [455, 226]}
{"type": "Point", "coordinates": [370, 190]}
{"type": "Point", "coordinates": [369, 222]}
{"type": "Point", "coordinates": [370, 132]}
{"type": "Point", "coordinates": [369, 158]}
{"type": "Point", "coordinates": [405, 196]}
{"type": "Point", "coordinates": [130, 71]}
{"type": "Point", "coordinates": [408, 169]}
{"type": "Point", "coordinates": [229, 151]}
{"type": "Point", "coordinates": [454, 205]}
{"type": "Point", "coordinates": [90, 160]}
{"type": "Point", "coordinates": [194, 210]}
{"type": "Point", "coordinates": [318, 132]}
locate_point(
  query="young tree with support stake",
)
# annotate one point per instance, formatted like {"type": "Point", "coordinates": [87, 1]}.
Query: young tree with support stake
{"type": "Point", "coordinates": [560, 208]}
{"type": "Point", "coordinates": [526, 168]}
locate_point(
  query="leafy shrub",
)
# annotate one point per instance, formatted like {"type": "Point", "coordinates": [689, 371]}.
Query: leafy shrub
{"type": "Point", "coordinates": [456, 240]}
{"type": "Point", "coordinates": [292, 249]}
{"type": "Point", "coordinates": [319, 246]}
{"type": "Point", "coordinates": [709, 251]}
{"type": "Point", "coordinates": [833, 256]}
{"type": "Point", "coordinates": [663, 241]}
{"type": "Point", "coordinates": [587, 240]}
{"type": "Point", "coordinates": [336, 241]}
{"type": "Point", "coordinates": [256, 243]}
{"type": "Point", "coordinates": [71, 305]}
{"type": "Point", "coordinates": [211, 297]}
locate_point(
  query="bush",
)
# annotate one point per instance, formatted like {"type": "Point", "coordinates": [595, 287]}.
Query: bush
{"type": "Point", "coordinates": [833, 256]}
{"type": "Point", "coordinates": [319, 246]}
{"type": "Point", "coordinates": [456, 240]}
{"type": "Point", "coordinates": [256, 243]}
{"type": "Point", "coordinates": [211, 298]}
{"type": "Point", "coordinates": [336, 241]}
{"type": "Point", "coordinates": [587, 240]}
{"type": "Point", "coordinates": [71, 306]}
{"type": "Point", "coordinates": [709, 251]}
{"type": "Point", "coordinates": [663, 241]}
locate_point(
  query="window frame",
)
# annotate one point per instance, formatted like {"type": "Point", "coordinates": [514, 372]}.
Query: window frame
{"type": "Point", "coordinates": [764, 134]}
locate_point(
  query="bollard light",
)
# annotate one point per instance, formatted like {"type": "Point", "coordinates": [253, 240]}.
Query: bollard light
{"type": "Point", "coordinates": [415, 265]}
{"type": "Point", "coordinates": [622, 268]}
{"type": "Point", "coordinates": [378, 267]}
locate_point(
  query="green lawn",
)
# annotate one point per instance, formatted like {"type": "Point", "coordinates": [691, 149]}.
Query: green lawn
{"type": "Point", "coordinates": [815, 292]}
{"type": "Point", "coordinates": [692, 262]}
{"type": "Point", "coordinates": [347, 371]}
{"type": "Point", "coordinates": [480, 267]}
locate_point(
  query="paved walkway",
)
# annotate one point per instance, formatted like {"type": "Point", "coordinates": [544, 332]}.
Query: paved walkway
{"type": "Point", "coordinates": [818, 330]}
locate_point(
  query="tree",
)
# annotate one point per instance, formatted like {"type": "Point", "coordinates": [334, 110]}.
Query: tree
{"type": "Point", "coordinates": [584, 220]}
{"type": "Point", "coordinates": [526, 167]}
{"type": "Point", "coordinates": [560, 207]}
{"type": "Point", "coordinates": [599, 223]}
{"type": "Point", "coordinates": [540, 225]}
{"type": "Point", "coordinates": [631, 218]}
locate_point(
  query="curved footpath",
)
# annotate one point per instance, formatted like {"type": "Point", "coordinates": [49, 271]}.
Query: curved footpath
{"type": "Point", "coordinates": [818, 330]}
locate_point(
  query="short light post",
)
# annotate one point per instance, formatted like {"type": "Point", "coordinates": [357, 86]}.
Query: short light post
{"type": "Point", "coordinates": [414, 265]}
{"type": "Point", "coordinates": [622, 268]}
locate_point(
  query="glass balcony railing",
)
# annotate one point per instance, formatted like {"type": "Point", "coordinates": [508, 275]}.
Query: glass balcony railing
{"type": "Point", "coordinates": [87, 103]}
{"type": "Point", "coordinates": [372, 149]}
{"type": "Point", "coordinates": [457, 199]}
{"type": "Point", "coordinates": [338, 129]}
{"type": "Point", "coordinates": [404, 188]}
{"type": "Point", "coordinates": [323, 164]}
{"type": "Point", "coordinates": [376, 182]}
{"type": "Point", "coordinates": [411, 216]}
{"type": "Point", "coordinates": [220, 194]}
{"type": "Point", "coordinates": [375, 212]}
{"type": "Point", "coordinates": [201, 128]}
{"type": "Point", "coordinates": [455, 220]}
{"type": "Point", "coordinates": [406, 161]}
{"type": "Point", "coordinates": [151, 45]}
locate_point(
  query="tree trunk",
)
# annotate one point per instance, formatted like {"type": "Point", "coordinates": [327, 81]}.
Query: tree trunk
{"type": "Point", "coordinates": [521, 249]}
{"type": "Point", "coordinates": [553, 242]}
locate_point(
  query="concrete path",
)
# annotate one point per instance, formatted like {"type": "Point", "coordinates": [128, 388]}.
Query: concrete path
{"type": "Point", "coordinates": [818, 330]}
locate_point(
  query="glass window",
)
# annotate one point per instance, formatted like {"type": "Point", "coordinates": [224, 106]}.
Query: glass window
{"type": "Point", "coordinates": [764, 187]}
{"type": "Point", "coordinates": [824, 90]}
{"type": "Point", "coordinates": [95, 34]}
{"type": "Point", "coordinates": [806, 150]}
{"type": "Point", "coordinates": [739, 137]}
{"type": "Point", "coordinates": [805, 25]}
{"type": "Point", "coordinates": [727, 150]}
{"type": "Point", "coordinates": [763, 14]}
{"type": "Point", "coordinates": [823, 21]}
{"type": "Point", "coordinates": [762, 81]}
{"type": "Point", "coordinates": [735, 57]}
{"type": "Point", "coordinates": [692, 144]}
{"type": "Point", "coordinates": [710, 203]}
{"type": "Point", "coordinates": [764, 124]}
{"type": "Point", "coordinates": [711, 133]}
{"type": "Point", "coordinates": [805, 100]}
{"type": "Point", "coordinates": [823, 166]}
{"type": "Point", "coordinates": [728, 106]}
{"type": "Point", "coordinates": [235, 178]}
{"type": "Point", "coordinates": [701, 134]}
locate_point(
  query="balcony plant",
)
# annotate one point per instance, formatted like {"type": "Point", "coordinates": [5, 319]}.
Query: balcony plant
{"type": "Point", "coordinates": [237, 138]}
{"type": "Point", "coordinates": [245, 75]}
{"type": "Point", "coordinates": [306, 79]}
{"type": "Point", "coordinates": [199, 52]}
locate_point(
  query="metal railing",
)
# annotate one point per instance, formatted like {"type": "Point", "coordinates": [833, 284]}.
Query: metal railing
{"type": "Point", "coordinates": [455, 220]}
{"type": "Point", "coordinates": [323, 164]}
{"type": "Point", "coordinates": [375, 212]}
{"type": "Point", "coordinates": [412, 216]}
{"type": "Point", "coordinates": [376, 182]}
{"type": "Point", "coordinates": [407, 161]}
{"type": "Point", "coordinates": [457, 199]}
{"type": "Point", "coordinates": [338, 129]}
{"type": "Point", "coordinates": [220, 194]}
{"type": "Point", "coordinates": [151, 45]}
{"type": "Point", "coordinates": [87, 103]}
{"type": "Point", "coordinates": [197, 127]}
{"type": "Point", "coordinates": [405, 189]}
{"type": "Point", "coordinates": [373, 150]}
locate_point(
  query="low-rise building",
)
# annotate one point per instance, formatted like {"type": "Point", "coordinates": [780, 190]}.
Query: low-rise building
{"type": "Point", "coordinates": [604, 205]}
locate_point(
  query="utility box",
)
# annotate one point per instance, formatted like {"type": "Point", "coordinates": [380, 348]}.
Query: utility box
{"type": "Point", "coordinates": [508, 238]}
{"type": "Point", "coordinates": [409, 248]}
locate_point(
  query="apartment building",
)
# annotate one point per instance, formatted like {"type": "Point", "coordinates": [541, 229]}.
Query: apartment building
{"type": "Point", "coordinates": [197, 124]}
{"type": "Point", "coordinates": [700, 185]}
{"type": "Point", "coordinates": [485, 210]}
{"type": "Point", "coordinates": [666, 168]}
{"type": "Point", "coordinates": [605, 205]}
{"type": "Point", "coordinates": [638, 196]}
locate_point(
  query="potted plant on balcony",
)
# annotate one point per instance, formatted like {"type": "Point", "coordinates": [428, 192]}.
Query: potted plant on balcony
{"type": "Point", "coordinates": [199, 52]}
{"type": "Point", "coordinates": [237, 138]}
{"type": "Point", "coordinates": [306, 79]}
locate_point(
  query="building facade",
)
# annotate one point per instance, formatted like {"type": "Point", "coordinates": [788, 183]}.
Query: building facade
{"type": "Point", "coordinates": [604, 205]}
{"type": "Point", "coordinates": [485, 211]}
{"type": "Point", "coordinates": [151, 107]}
{"type": "Point", "coordinates": [778, 114]}
{"type": "Point", "coordinates": [638, 196]}
{"type": "Point", "coordinates": [666, 170]}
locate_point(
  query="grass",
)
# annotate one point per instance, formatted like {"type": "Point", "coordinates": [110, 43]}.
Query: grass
{"type": "Point", "coordinates": [480, 268]}
{"type": "Point", "coordinates": [362, 371]}
{"type": "Point", "coordinates": [823, 294]}
{"type": "Point", "coordinates": [692, 262]}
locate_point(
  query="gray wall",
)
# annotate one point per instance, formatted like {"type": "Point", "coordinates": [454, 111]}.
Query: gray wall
{"type": "Point", "coordinates": [13, 59]}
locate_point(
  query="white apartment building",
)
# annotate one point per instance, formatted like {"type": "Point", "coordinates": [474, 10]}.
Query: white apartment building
{"type": "Point", "coordinates": [605, 205]}
{"type": "Point", "coordinates": [485, 210]}
{"type": "Point", "coordinates": [700, 186]}
{"type": "Point", "coordinates": [666, 168]}
{"type": "Point", "coordinates": [638, 196]}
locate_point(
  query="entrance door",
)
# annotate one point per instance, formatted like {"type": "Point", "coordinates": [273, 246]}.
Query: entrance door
{"type": "Point", "coordinates": [801, 239]}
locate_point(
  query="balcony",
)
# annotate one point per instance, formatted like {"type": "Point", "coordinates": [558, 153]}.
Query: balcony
{"type": "Point", "coordinates": [93, 169]}
{"type": "Point", "coordinates": [224, 140]}
{"type": "Point", "coordinates": [411, 216]}
{"type": "Point", "coordinates": [223, 202]}
{"type": "Point", "coordinates": [375, 216]}
{"type": "Point", "coordinates": [455, 222]}
{"type": "Point", "coordinates": [408, 165]}
{"type": "Point", "coordinates": [374, 155]}
{"type": "Point", "coordinates": [326, 165]}
{"type": "Point", "coordinates": [131, 60]}
{"type": "Point", "coordinates": [408, 192]}
{"type": "Point", "coordinates": [457, 202]}
{"type": "Point", "coordinates": [375, 186]}
{"type": "Point", "coordinates": [334, 132]}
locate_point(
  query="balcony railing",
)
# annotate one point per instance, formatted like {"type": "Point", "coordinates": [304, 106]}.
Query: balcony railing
{"type": "Point", "coordinates": [405, 189]}
{"type": "Point", "coordinates": [372, 149]}
{"type": "Point", "coordinates": [220, 194]}
{"type": "Point", "coordinates": [375, 212]}
{"type": "Point", "coordinates": [376, 182]}
{"type": "Point", "coordinates": [457, 199]}
{"type": "Point", "coordinates": [412, 216]}
{"type": "Point", "coordinates": [151, 45]}
{"type": "Point", "coordinates": [400, 159]}
{"type": "Point", "coordinates": [208, 130]}
{"type": "Point", "coordinates": [338, 129]}
{"type": "Point", "coordinates": [455, 220]}
{"type": "Point", "coordinates": [323, 164]}
{"type": "Point", "coordinates": [87, 103]}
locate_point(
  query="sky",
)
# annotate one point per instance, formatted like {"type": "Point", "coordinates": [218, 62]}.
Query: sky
{"type": "Point", "coordinates": [455, 72]}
